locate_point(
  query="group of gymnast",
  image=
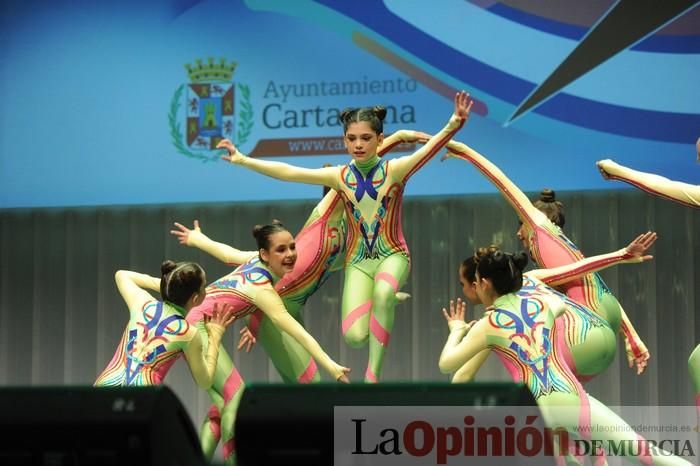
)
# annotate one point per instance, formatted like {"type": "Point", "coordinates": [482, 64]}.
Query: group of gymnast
{"type": "Point", "coordinates": [553, 328]}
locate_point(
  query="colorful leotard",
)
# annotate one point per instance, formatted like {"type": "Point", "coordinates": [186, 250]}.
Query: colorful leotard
{"type": "Point", "coordinates": [321, 248]}
{"type": "Point", "coordinates": [550, 248]}
{"type": "Point", "coordinates": [377, 258]}
{"type": "Point", "coordinates": [152, 341]}
{"type": "Point", "coordinates": [155, 336]}
{"type": "Point", "coordinates": [248, 287]}
{"type": "Point", "coordinates": [587, 338]}
{"type": "Point", "coordinates": [320, 245]}
{"type": "Point", "coordinates": [522, 332]}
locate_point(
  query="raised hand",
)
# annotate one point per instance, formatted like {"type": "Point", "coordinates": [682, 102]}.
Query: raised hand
{"type": "Point", "coordinates": [640, 245]}
{"type": "Point", "coordinates": [234, 156]}
{"type": "Point", "coordinates": [463, 105]}
{"type": "Point", "coordinates": [185, 235]}
{"type": "Point", "coordinates": [457, 310]}
{"type": "Point", "coordinates": [222, 314]}
{"type": "Point", "coordinates": [247, 340]}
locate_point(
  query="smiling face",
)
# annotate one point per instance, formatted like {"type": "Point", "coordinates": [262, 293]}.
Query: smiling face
{"type": "Point", "coordinates": [361, 141]}
{"type": "Point", "coordinates": [282, 254]}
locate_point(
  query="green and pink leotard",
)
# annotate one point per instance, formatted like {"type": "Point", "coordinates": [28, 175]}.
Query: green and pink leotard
{"type": "Point", "coordinates": [156, 335]}
{"type": "Point", "coordinates": [377, 259]}
{"type": "Point", "coordinates": [550, 248]}
{"type": "Point", "coordinates": [321, 251]}
{"type": "Point", "coordinates": [522, 332]}
{"type": "Point", "coordinates": [249, 287]}
{"type": "Point", "coordinates": [588, 340]}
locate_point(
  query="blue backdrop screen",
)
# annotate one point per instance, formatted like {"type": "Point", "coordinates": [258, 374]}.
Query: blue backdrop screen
{"type": "Point", "coordinates": [122, 102]}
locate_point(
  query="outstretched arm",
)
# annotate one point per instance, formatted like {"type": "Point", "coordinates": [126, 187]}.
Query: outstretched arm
{"type": "Point", "coordinates": [526, 211]}
{"type": "Point", "coordinates": [635, 252]}
{"type": "Point", "coordinates": [683, 193]}
{"type": "Point", "coordinates": [133, 285]}
{"type": "Point", "coordinates": [196, 239]}
{"type": "Point", "coordinates": [203, 363]}
{"type": "Point", "coordinates": [327, 176]}
{"type": "Point", "coordinates": [406, 166]}
{"type": "Point", "coordinates": [270, 303]}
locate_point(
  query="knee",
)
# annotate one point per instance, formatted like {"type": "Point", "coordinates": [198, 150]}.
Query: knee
{"type": "Point", "coordinates": [384, 297]}
{"type": "Point", "coordinates": [357, 335]}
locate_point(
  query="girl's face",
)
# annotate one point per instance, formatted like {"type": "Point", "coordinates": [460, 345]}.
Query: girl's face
{"type": "Point", "coordinates": [468, 289]}
{"type": "Point", "coordinates": [361, 141]}
{"type": "Point", "coordinates": [282, 255]}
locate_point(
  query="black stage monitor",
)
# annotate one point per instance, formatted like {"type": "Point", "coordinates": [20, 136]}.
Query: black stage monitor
{"type": "Point", "coordinates": [372, 423]}
{"type": "Point", "coordinates": [71, 426]}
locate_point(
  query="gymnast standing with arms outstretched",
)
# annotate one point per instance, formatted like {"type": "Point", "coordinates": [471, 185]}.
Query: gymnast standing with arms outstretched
{"type": "Point", "coordinates": [377, 258]}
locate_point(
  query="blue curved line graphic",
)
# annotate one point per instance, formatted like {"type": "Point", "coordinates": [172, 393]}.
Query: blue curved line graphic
{"type": "Point", "coordinates": [663, 43]}
{"type": "Point", "coordinates": [614, 119]}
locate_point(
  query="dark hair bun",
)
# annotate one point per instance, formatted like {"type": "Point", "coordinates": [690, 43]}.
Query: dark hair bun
{"type": "Point", "coordinates": [167, 266]}
{"type": "Point", "coordinates": [498, 257]}
{"type": "Point", "coordinates": [346, 114]}
{"type": "Point", "coordinates": [380, 112]}
{"type": "Point", "coordinates": [257, 229]}
{"type": "Point", "coordinates": [548, 195]}
{"type": "Point", "coordinates": [520, 260]}
{"type": "Point", "coordinates": [262, 233]}
{"type": "Point", "coordinates": [484, 250]}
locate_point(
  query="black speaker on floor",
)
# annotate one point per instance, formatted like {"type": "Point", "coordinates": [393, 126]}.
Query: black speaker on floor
{"type": "Point", "coordinates": [301, 424]}
{"type": "Point", "coordinates": [71, 426]}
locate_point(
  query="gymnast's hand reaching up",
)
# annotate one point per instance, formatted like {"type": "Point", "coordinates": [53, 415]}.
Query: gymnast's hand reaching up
{"type": "Point", "coordinates": [234, 156]}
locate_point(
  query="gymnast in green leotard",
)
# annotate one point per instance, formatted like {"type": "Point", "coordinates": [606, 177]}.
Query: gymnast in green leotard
{"type": "Point", "coordinates": [377, 258]}
{"type": "Point", "coordinates": [521, 331]}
